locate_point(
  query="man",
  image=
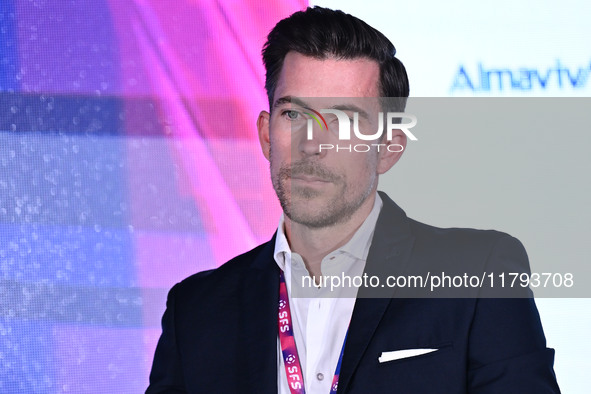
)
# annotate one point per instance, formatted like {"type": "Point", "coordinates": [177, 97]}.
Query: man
{"type": "Point", "coordinates": [240, 329]}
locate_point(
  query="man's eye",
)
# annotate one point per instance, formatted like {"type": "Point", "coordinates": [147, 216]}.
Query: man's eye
{"type": "Point", "coordinates": [291, 115]}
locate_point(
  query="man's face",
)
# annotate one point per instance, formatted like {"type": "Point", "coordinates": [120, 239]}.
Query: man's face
{"type": "Point", "coordinates": [320, 188]}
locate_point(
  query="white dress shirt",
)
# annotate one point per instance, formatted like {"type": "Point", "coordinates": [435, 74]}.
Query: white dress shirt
{"type": "Point", "coordinates": [320, 321]}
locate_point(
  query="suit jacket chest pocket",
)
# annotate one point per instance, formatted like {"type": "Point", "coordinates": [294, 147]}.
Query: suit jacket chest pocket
{"type": "Point", "coordinates": [426, 369]}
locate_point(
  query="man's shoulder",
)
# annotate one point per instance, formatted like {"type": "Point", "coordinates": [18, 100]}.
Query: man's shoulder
{"type": "Point", "coordinates": [229, 274]}
{"type": "Point", "coordinates": [432, 236]}
{"type": "Point", "coordinates": [469, 251]}
{"type": "Point", "coordinates": [472, 237]}
{"type": "Point", "coordinates": [454, 250]}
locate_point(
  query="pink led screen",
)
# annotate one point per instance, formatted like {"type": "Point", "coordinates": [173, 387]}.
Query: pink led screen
{"type": "Point", "coordinates": [129, 160]}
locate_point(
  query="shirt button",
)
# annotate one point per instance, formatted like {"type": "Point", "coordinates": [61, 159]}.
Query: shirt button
{"type": "Point", "coordinates": [320, 376]}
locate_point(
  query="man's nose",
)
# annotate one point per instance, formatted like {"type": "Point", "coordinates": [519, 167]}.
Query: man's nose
{"type": "Point", "coordinates": [308, 143]}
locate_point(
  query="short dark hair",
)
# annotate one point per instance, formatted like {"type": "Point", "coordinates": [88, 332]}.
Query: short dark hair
{"type": "Point", "coordinates": [322, 33]}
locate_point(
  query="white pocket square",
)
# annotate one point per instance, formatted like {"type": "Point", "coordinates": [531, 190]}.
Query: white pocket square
{"type": "Point", "coordinates": [398, 354]}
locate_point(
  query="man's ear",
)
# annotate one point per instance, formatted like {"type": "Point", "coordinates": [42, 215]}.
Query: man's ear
{"type": "Point", "coordinates": [263, 128]}
{"type": "Point", "coordinates": [392, 151]}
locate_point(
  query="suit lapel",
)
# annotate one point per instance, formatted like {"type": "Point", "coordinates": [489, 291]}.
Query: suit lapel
{"type": "Point", "coordinates": [258, 326]}
{"type": "Point", "coordinates": [389, 254]}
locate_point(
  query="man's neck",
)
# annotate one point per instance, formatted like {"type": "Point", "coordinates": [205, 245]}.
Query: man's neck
{"type": "Point", "coordinates": [313, 244]}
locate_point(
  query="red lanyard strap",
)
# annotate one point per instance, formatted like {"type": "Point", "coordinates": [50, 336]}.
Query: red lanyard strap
{"type": "Point", "coordinates": [291, 359]}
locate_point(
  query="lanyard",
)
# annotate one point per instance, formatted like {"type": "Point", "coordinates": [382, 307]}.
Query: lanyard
{"type": "Point", "coordinates": [291, 359]}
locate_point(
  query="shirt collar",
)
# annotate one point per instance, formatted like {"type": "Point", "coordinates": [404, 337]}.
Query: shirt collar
{"type": "Point", "coordinates": [358, 245]}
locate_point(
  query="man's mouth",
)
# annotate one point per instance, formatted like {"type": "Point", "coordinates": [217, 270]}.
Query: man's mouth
{"type": "Point", "coordinates": [309, 178]}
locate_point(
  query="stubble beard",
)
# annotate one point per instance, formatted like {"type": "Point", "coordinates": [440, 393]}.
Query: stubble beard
{"type": "Point", "coordinates": [299, 203]}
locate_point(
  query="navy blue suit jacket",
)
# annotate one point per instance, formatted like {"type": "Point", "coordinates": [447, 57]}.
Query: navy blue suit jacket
{"type": "Point", "coordinates": [220, 327]}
